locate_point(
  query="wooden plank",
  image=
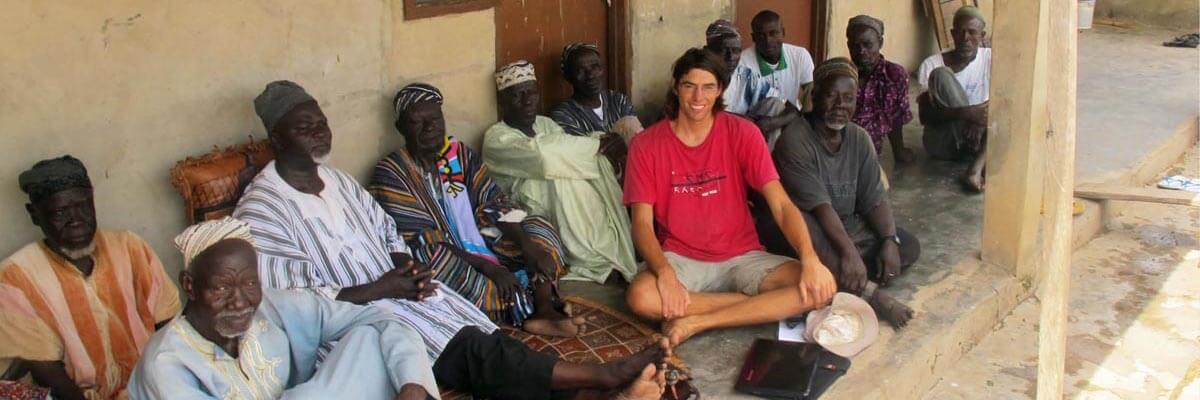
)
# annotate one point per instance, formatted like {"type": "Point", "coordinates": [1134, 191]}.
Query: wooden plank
{"type": "Point", "coordinates": [1148, 195]}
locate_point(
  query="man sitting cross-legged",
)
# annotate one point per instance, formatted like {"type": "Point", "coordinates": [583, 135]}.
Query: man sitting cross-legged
{"type": "Point", "coordinates": [77, 307]}
{"type": "Point", "coordinates": [955, 103]}
{"type": "Point", "coordinates": [829, 168]}
{"type": "Point", "coordinates": [238, 340]}
{"type": "Point", "coordinates": [687, 185]}
{"type": "Point", "coordinates": [456, 219]}
{"type": "Point", "coordinates": [317, 229]}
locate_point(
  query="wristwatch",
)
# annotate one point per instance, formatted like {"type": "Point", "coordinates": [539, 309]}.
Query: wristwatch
{"type": "Point", "coordinates": [893, 238]}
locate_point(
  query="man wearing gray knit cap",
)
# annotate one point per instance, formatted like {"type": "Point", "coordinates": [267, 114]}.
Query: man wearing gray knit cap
{"type": "Point", "coordinates": [316, 229]}
{"type": "Point", "coordinates": [306, 133]}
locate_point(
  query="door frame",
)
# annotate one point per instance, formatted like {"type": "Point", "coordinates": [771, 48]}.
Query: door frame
{"type": "Point", "coordinates": [820, 30]}
{"type": "Point", "coordinates": [620, 47]}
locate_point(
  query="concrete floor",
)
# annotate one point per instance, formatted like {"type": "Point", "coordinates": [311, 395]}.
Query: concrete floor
{"type": "Point", "coordinates": [1132, 94]}
{"type": "Point", "coordinates": [1134, 325]}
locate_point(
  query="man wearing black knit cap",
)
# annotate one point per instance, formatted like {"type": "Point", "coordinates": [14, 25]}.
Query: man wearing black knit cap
{"type": "Point", "coordinates": [87, 299]}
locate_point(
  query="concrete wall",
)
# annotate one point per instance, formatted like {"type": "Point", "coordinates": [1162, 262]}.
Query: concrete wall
{"type": "Point", "coordinates": [131, 87]}
{"type": "Point", "coordinates": [661, 31]}
{"type": "Point", "coordinates": [1176, 14]}
{"type": "Point", "coordinates": [908, 34]}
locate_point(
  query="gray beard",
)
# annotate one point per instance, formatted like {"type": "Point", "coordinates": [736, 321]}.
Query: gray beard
{"type": "Point", "coordinates": [80, 253]}
{"type": "Point", "coordinates": [321, 159]}
{"type": "Point", "coordinates": [833, 126]}
{"type": "Point", "coordinates": [226, 333]}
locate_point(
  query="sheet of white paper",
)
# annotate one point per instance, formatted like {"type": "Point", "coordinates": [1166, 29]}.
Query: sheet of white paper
{"type": "Point", "coordinates": [795, 334]}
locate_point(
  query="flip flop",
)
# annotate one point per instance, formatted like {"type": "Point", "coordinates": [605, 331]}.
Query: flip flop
{"type": "Point", "coordinates": [1180, 182]}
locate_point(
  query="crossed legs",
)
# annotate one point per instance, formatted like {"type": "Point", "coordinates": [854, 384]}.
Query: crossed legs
{"type": "Point", "coordinates": [778, 298]}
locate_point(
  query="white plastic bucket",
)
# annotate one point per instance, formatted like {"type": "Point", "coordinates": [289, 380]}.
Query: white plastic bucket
{"type": "Point", "coordinates": [1086, 9]}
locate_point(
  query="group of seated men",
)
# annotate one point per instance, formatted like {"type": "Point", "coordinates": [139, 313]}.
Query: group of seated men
{"type": "Point", "coordinates": [755, 198]}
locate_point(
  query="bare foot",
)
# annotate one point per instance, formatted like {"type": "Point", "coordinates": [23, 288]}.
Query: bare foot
{"type": "Point", "coordinates": [624, 371]}
{"type": "Point", "coordinates": [973, 182]}
{"type": "Point", "coordinates": [889, 309]}
{"type": "Point", "coordinates": [553, 324]}
{"type": "Point", "coordinates": [649, 385]}
{"type": "Point", "coordinates": [679, 330]}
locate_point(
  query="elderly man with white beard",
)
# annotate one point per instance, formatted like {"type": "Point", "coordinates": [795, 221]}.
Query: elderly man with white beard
{"type": "Point", "coordinates": [238, 340]}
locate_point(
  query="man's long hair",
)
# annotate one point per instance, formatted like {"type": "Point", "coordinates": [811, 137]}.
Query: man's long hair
{"type": "Point", "coordinates": [696, 58]}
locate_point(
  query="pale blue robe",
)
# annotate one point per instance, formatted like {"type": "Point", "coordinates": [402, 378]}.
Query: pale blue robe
{"type": "Point", "coordinates": [374, 356]}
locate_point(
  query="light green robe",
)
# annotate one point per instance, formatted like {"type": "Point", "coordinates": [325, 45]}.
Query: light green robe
{"type": "Point", "coordinates": [562, 177]}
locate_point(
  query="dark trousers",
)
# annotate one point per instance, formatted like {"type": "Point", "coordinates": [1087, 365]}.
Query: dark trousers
{"type": "Point", "coordinates": [496, 366]}
{"type": "Point", "coordinates": [868, 248]}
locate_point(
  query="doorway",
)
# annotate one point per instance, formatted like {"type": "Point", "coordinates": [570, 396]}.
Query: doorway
{"type": "Point", "coordinates": [537, 31]}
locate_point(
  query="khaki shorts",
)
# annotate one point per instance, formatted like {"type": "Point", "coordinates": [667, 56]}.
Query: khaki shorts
{"type": "Point", "coordinates": [743, 273]}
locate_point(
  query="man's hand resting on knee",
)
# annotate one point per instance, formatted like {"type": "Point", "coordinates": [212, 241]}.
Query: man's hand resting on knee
{"type": "Point", "coordinates": [816, 284]}
{"type": "Point", "coordinates": [674, 295]}
{"type": "Point", "coordinates": [853, 272]}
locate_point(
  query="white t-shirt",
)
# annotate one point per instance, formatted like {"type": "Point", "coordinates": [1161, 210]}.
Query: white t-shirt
{"type": "Point", "coordinates": [975, 77]}
{"type": "Point", "coordinates": [787, 82]}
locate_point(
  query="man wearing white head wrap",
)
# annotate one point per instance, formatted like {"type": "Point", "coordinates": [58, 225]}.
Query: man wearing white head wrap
{"type": "Point", "coordinates": [317, 230]}
{"type": "Point", "coordinates": [566, 178]}
{"type": "Point", "coordinates": [237, 340]}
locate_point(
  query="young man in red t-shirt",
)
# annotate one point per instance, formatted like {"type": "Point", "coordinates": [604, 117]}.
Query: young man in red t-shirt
{"type": "Point", "coordinates": [686, 184]}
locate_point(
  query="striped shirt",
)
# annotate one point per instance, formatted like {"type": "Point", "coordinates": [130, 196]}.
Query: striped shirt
{"type": "Point", "coordinates": [578, 120]}
{"type": "Point", "coordinates": [341, 238]}
{"type": "Point", "coordinates": [96, 324]}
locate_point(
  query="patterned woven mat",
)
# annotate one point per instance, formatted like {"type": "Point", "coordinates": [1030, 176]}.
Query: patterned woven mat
{"type": "Point", "coordinates": [608, 335]}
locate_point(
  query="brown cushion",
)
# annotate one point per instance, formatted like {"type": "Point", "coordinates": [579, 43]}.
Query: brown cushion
{"type": "Point", "coordinates": [211, 184]}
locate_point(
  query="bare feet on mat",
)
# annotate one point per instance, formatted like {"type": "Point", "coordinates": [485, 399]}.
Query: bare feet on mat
{"type": "Point", "coordinates": [889, 309]}
{"type": "Point", "coordinates": [553, 323]}
{"type": "Point", "coordinates": [623, 371]}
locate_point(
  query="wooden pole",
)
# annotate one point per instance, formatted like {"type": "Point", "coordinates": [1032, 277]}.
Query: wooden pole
{"type": "Point", "coordinates": [1055, 274]}
{"type": "Point", "coordinates": [1012, 204]}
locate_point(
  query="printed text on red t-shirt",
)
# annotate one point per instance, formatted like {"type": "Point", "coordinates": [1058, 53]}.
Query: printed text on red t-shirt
{"type": "Point", "coordinates": [703, 183]}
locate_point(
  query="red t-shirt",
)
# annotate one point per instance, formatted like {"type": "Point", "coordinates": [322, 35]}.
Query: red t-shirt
{"type": "Point", "coordinates": [699, 193]}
